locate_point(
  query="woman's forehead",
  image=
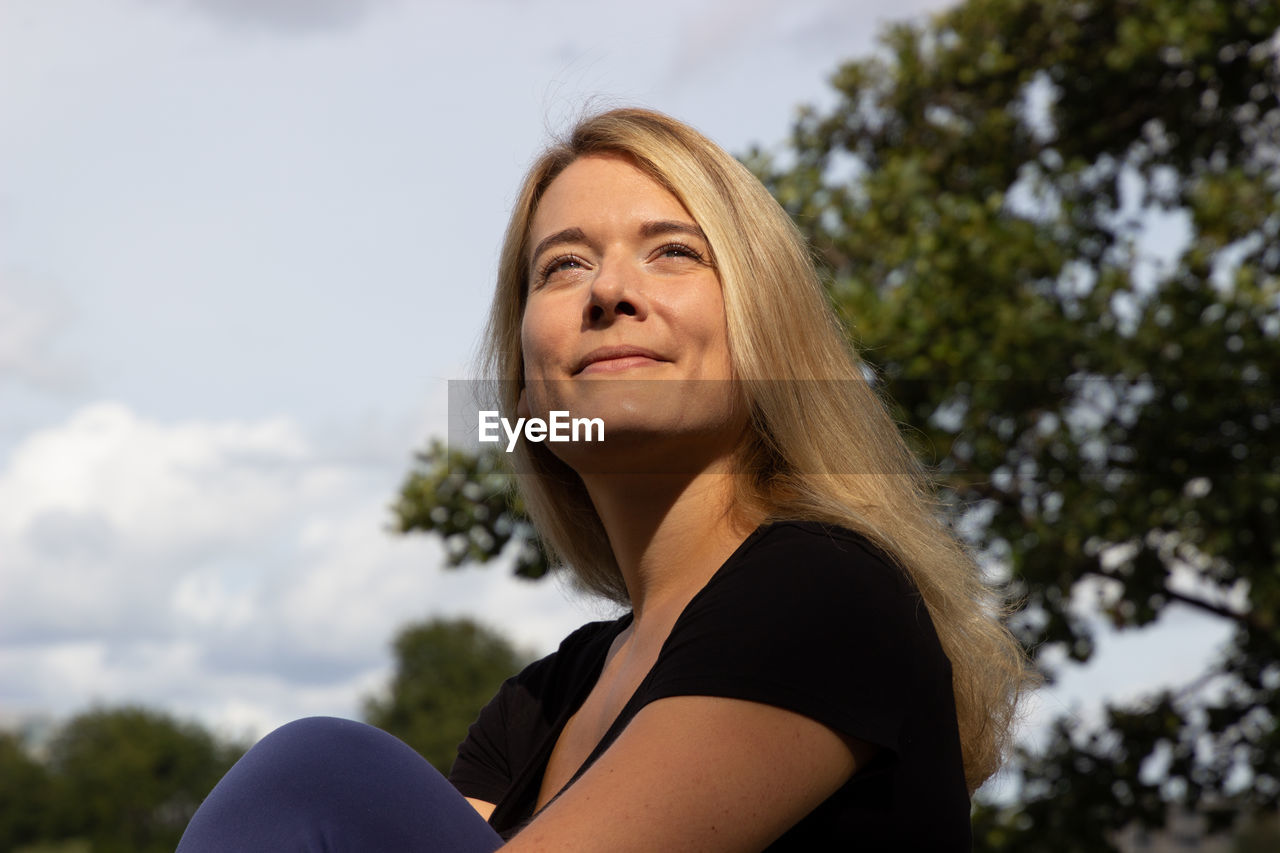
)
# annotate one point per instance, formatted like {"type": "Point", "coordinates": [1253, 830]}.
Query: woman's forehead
{"type": "Point", "coordinates": [601, 189]}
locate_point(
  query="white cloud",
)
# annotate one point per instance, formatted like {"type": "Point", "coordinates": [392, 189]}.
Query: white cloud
{"type": "Point", "coordinates": [32, 317]}
{"type": "Point", "coordinates": [288, 16]}
{"type": "Point", "coordinates": [224, 569]}
{"type": "Point", "coordinates": [151, 478]}
{"type": "Point", "coordinates": [244, 225]}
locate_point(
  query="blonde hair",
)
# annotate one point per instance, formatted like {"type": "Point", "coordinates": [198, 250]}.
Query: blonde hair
{"type": "Point", "coordinates": [789, 353]}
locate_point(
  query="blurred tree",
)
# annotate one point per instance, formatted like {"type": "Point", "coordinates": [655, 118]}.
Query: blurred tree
{"type": "Point", "coordinates": [1258, 836]}
{"type": "Point", "coordinates": [468, 501]}
{"type": "Point", "coordinates": [24, 794]}
{"type": "Point", "coordinates": [1102, 417]}
{"type": "Point", "coordinates": [446, 670]}
{"type": "Point", "coordinates": [982, 196]}
{"type": "Point", "coordinates": [128, 779]}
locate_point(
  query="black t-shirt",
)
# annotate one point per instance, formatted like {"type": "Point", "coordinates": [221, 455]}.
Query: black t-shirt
{"type": "Point", "coordinates": [802, 616]}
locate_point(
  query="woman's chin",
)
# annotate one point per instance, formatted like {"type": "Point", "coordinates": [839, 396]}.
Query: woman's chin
{"type": "Point", "coordinates": [639, 426]}
{"type": "Point", "coordinates": [617, 399]}
{"type": "Point", "coordinates": [637, 446]}
{"type": "Point", "coordinates": [639, 407]}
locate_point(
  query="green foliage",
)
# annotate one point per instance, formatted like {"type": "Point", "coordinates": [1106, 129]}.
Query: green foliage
{"type": "Point", "coordinates": [1104, 420]}
{"type": "Point", "coordinates": [75, 846]}
{"type": "Point", "coordinates": [118, 779]}
{"type": "Point", "coordinates": [470, 503]}
{"type": "Point", "coordinates": [978, 196]}
{"type": "Point", "coordinates": [446, 670]}
{"type": "Point", "coordinates": [24, 794]}
{"type": "Point", "coordinates": [129, 779]}
{"type": "Point", "coordinates": [1258, 836]}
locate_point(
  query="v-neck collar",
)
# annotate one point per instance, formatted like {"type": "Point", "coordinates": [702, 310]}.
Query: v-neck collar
{"type": "Point", "coordinates": [530, 779]}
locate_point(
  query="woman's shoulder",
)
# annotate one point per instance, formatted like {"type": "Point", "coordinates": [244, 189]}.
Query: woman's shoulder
{"type": "Point", "coordinates": [820, 536]}
{"type": "Point", "coordinates": [808, 616]}
{"type": "Point", "coordinates": [827, 561]}
{"type": "Point", "coordinates": [803, 594]}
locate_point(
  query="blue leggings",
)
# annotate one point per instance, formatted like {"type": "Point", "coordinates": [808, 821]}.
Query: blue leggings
{"type": "Point", "coordinates": [324, 784]}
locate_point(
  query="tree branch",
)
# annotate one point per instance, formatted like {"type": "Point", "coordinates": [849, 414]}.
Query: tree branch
{"type": "Point", "coordinates": [1246, 618]}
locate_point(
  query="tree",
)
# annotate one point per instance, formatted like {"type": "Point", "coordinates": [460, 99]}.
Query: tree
{"type": "Point", "coordinates": [468, 501]}
{"type": "Point", "coordinates": [1258, 836]}
{"type": "Point", "coordinates": [24, 794]}
{"type": "Point", "coordinates": [1102, 420]}
{"type": "Point", "coordinates": [982, 196]}
{"type": "Point", "coordinates": [446, 670]}
{"type": "Point", "coordinates": [129, 779]}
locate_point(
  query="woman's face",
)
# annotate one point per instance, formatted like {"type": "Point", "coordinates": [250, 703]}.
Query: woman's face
{"type": "Point", "coordinates": [622, 299]}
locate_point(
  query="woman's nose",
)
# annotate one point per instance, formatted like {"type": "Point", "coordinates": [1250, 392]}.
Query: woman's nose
{"type": "Point", "coordinates": [616, 291]}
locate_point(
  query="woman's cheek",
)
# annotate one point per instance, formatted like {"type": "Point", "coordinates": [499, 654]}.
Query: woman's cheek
{"type": "Point", "coordinates": [539, 356]}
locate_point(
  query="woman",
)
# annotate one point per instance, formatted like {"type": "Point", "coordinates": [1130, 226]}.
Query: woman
{"type": "Point", "coordinates": [777, 683]}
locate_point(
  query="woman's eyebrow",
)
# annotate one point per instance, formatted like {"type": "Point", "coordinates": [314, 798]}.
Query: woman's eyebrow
{"type": "Point", "coordinates": [568, 235]}
{"type": "Point", "coordinates": [652, 228]}
{"type": "Point", "coordinates": [662, 227]}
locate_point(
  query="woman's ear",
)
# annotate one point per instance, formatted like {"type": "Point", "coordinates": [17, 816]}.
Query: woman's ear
{"type": "Point", "coordinates": [522, 406]}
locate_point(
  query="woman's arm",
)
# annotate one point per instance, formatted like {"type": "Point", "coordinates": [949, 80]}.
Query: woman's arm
{"type": "Point", "coordinates": [481, 806]}
{"type": "Point", "coordinates": [698, 773]}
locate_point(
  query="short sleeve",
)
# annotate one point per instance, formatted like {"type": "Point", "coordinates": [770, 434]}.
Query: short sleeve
{"type": "Point", "coordinates": [481, 769]}
{"type": "Point", "coordinates": [507, 745]}
{"type": "Point", "coordinates": [811, 619]}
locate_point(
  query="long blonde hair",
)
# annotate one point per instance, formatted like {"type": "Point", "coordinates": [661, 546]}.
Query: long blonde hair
{"type": "Point", "coordinates": [823, 445]}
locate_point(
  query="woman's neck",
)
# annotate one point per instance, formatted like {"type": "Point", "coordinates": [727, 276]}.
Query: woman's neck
{"type": "Point", "coordinates": [669, 534]}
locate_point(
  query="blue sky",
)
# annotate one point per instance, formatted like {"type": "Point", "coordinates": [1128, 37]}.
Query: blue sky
{"type": "Point", "coordinates": [244, 244]}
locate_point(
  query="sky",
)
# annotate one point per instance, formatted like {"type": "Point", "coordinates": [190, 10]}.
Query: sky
{"type": "Point", "coordinates": [244, 245]}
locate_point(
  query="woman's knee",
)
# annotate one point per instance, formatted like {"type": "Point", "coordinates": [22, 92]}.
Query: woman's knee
{"type": "Point", "coordinates": [325, 762]}
{"type": "Point", "coordinates": [323, 783]}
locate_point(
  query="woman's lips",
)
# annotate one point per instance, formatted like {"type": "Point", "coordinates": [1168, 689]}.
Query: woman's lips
{"type": "Point", "coordinates": [614, 365]}
{"type": "Point", "coordinates": [615, 358]}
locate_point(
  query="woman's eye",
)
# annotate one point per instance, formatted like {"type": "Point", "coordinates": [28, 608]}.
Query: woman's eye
{"type": "Point", "coordinates": [559, 264]}
{"type": "Point", "coordinates": [679, 250]}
